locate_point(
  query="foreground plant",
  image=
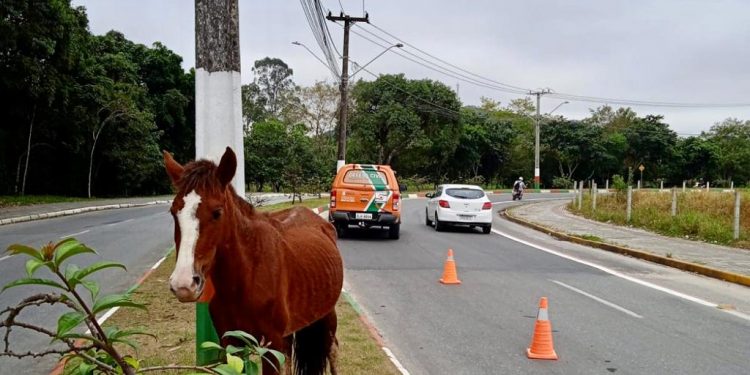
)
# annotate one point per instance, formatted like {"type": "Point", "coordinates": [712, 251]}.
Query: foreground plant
{"type": "Point", "coordinates": [96, 347]}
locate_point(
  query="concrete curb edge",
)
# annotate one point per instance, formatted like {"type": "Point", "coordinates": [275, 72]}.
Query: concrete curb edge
{"type": "Point", "coordinates": [682, 265]}
{"type": "Point", "coordinates": [75, 211]}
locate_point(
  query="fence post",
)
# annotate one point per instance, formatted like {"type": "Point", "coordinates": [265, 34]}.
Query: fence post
{"type": "Point", "coordinates": [629, 211]}
{"type": "Point", "coordinates": [736, 215]}
{"type": "Point", "coordinates": [661, 185]}
{"type": "Point", "coordinates": [594, 193]}
{"type": "Point", "coordinates": [731, 185]}
{"type": "Point", "coordinates": [708, 186]}
{"type": "Point", "coordinates": [684, 183]}
{"type": "Point", "coordinates": [639, 184]}
{"type": "Point", "coordinates": [674, 202]}
{"type": "Point", "coordinates": [580, 194]}
{"type": "Point", "coordinates": [606, 185]}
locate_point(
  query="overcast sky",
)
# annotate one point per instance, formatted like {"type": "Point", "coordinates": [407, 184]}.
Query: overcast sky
{"type": "Point", "coordinates": [687, 51]}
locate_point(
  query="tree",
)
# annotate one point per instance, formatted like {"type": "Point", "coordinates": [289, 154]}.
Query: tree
{"type": "Point", "coordinates": [650, 141]}
{"type": "Point", "coordinates": [571, 144]}
{"type": "Point", "coordinates": [731, 139]}
{"type": "Point", "coordinates": [273, 78]}
{"type": "Point", "coordinates": [416, 119]}
{"type": "Point", "coordinates": [264, 153]}
{"type": "Point", "coordinates": [484, 144]}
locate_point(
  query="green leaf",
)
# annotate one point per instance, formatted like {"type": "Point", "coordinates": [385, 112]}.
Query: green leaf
{"type": "Point", "coordinates": [126, 342]}
{"type": "Point", "coordinates": [235, 363]}
{"type": "Point", "coordinates": [211, 345]}
{"type": "Point", "coordinates": [80, 336]}
{"type": "Point", "coordinates": [70, 272]}
{"type": "Point", "coordinates": [244, 336]}
{"type": "Point", "coordinates": [98, 266]}
{"type": "Point", "coordinates": [231, 349]}
{"type": "Point", "coordinates": [117, 334]}
{"type": "Point", "coordinates": [32, 265]}
{"type": "Point", "coordinates": [134, 363]}
{"type": "Point", "coordinates": [226, 370]}
{"type": "Point", "coordinates": [68, 321]}
{"type": "Point", "coordinates": [115, 300]}
{"type": "Point", "coordinates": [279, 357]}
{"type": "Point", "coordinates": [86, 369]}
{"type": "Point", "coordinates": [16, 249]}
{"type": "Point", "coordinates": [68, 248]}
{"type": "Point", "coordinates": [93, 287]}
{"type": "Point", "coordinates": [253, 368]}
{"type": "Point", "coordinates": [31, 281]}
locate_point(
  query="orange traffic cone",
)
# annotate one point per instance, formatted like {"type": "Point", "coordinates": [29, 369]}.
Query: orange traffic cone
{"type": "Point", "coordinates": [541, 343]}
{"type": "Point", "coordinates": [449, 270]}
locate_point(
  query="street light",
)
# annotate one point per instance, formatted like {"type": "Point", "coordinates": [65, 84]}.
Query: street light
{"type": "Point", "coordinates": [335, 73]}
{"type": "Point", "coordinates": [558, 106]}
{"type": "Point", "coordinates": [398, 45]}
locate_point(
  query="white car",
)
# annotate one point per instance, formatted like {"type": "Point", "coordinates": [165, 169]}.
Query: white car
{"type": "Point", "coordinates": [454, 204]}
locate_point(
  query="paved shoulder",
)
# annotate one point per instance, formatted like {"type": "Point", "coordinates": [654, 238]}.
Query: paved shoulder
{"type": "Point", "coordinates": [553, 214]}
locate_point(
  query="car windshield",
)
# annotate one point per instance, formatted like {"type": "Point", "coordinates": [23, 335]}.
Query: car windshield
{"type": "Point", "coordinates": [463, 193]}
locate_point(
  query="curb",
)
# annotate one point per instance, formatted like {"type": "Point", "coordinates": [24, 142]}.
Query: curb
{"type": "Point", "coordinates": [75, 211]}
{"type": "Point", "coordinates": [682, 265]}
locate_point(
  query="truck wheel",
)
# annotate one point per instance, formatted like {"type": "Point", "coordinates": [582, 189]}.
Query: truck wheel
{"type": "Point", "coordinates": [393, 231]}
{"type": "Point", "coordinates": [341, 229]}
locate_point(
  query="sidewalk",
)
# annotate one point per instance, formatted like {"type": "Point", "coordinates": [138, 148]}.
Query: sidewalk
{"type": "Point", "coordinates": [553, 215]}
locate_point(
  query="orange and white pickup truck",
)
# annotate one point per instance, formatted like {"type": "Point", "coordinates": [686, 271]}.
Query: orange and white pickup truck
{"type": "Point", "coordinates": [367, 196]}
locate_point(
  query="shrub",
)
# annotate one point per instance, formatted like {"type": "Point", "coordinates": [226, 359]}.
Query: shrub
{"type": "Point", "coordinates": [562, 182]}
{"type": "Point", "coordinates": [618, 183]}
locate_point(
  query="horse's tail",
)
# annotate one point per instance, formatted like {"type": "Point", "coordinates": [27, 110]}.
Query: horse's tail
{"type": "Point", "coordinates": [314, 346]}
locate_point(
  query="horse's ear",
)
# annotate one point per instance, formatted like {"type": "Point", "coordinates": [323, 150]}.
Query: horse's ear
{"type": "Point", "coordinates": [227, 167]}
{"type": "Point", "coordinates": [174, 169]}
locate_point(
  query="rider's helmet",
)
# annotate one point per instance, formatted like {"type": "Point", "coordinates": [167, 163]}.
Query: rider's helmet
{"type": "Point", "coordinates": [520, 178]}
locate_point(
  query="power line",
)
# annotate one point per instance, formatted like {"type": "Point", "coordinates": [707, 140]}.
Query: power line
{"type": "Point", "coordinates": [559, 95]}
{"type": "Point", "coordinates": [440, 68]}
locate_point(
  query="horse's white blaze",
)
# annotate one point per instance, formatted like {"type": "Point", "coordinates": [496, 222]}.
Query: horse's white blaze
{"type": "Point", "coordinates": [182, 277]}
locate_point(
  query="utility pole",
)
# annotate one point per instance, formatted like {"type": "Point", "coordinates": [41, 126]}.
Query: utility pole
{"type": "Point", "coordinates": [343, 107]}
{"type": "Point", "coordinates": [218, 105]}
{"type": "Point", "coordinates": [538, 94]}
{"type": "Point", "coordinates": [218, 117]}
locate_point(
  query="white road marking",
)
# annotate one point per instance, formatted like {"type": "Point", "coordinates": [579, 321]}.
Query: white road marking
{"type": "Point", "coordinates": [623, 276]}
{"type": "Point", "coordinates": [395, 361]}
{"type": "Point", "coordinates": [119, 222]}
{"type": "Point", "coordinates": [159, 263]}
{"type": "Point", "coordinates": [532, 199]}
{"type": "Point", "coordinates": [75, 234]}
{"type": "Point", "coordinates": [601, 300]}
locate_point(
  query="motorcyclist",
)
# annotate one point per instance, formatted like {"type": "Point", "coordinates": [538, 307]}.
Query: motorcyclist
{"type": "Point", "coordinates": [518, 187]}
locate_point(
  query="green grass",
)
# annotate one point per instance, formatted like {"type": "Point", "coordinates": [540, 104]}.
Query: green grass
{"type": "Point", "coordinates": [589, 237]}
{"type": "Point", "coordinates": [26, 200]}
{"type": "Point", "coordinates": [700, 215]}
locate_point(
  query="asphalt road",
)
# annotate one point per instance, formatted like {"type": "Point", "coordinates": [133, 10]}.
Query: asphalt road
{"type": "Point", "coordinates": [135, 237]}
{"type": "Point", "coordinates": [610, 314]}
{"type": "Point", "coordinates": [479, 327]}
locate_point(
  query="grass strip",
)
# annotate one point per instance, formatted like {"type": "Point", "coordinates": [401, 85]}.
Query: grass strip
{"type": "Point", "coordinates": [704, 216]}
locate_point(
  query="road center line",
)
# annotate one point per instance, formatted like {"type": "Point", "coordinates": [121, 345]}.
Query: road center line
{"type": "Point", "coordinates": [601, 300]}
{"type": "Point", "coordinates": [75, 234]}
{"type": "Point", "coordinates": [623, 276]}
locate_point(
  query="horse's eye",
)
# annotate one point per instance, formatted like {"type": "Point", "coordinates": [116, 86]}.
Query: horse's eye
{"type": "Point", "coordinates": [217, 213]}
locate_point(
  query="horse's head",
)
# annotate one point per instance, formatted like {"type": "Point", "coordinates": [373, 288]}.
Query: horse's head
{"type": "Point", "coordinates": [203, 194]}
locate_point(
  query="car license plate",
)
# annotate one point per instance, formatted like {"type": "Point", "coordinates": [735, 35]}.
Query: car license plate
{"type": "Point", "coordinates": [361, 216]}
{"type": "Point", "coordinates": [466, 217]}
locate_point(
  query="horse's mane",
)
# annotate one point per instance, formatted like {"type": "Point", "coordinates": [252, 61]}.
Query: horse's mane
{"type": "Point", "coordinates": [200, 175]}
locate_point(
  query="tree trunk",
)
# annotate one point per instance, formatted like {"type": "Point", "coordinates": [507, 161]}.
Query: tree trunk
{"type": "Point", "coordinates": [28, 151]}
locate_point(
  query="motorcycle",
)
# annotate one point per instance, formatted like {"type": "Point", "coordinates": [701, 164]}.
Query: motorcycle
{"type": "Point", "coordinates": [517, 194]}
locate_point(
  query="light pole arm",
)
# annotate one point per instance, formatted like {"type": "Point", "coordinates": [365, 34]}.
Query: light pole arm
{"type": "Point", "coordinates": [335, 73]}
{"type": "Point", "coordinates": [399, 45]}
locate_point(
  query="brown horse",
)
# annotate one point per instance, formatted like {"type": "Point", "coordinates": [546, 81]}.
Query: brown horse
{"type": "Point", "coordinates": [276, 276]}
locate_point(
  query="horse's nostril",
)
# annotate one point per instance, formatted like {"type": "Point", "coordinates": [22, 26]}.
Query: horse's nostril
{"type": "Point", "coordinates": [197, 280]}
{"type": "Point", "coordinates": [171, 288]}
